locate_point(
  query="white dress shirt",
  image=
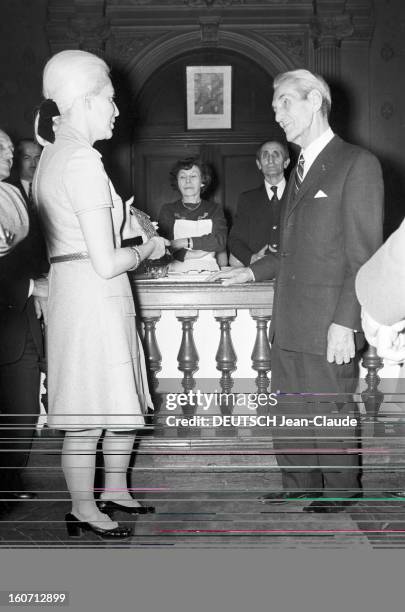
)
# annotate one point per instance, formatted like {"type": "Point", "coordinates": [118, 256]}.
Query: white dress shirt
{"type": "Point", "coordinates": [280, 188]}
{"type": "Point", "coordinates": [312, 150]}
{"type": "Point", "coordinates": [26, 185]}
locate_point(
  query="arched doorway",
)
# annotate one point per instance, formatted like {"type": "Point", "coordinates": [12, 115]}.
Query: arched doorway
{"type": "Point", "coordinates": [160, 134]}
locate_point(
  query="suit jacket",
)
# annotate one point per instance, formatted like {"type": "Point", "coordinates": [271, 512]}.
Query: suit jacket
{"type": "Point", "coordinates": [380, 283]}
{"type": "Point", "coordinates": [253, 225]}
{"type": "Point", "coordinates": [17, 312]}
{"type": "Point", "coordinates": [324, 241]}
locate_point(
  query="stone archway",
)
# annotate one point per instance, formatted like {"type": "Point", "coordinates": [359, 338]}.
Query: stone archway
{"type": "Point", "coordinates": [270, 56]}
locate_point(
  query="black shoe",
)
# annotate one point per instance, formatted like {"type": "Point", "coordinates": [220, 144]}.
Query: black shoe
{"type": "Point", "coordinates": [326, 506]}
{"type": "Point", "coordinates": [393, 494]}
{"type": "Point", "coordinates": [22, 495]}
{"type": "Point", "coordinates": [284, 496]}
{"type": "Point", "coordinates": [75, 526]}
{"type": "Point", "coordinates": [109, 507]}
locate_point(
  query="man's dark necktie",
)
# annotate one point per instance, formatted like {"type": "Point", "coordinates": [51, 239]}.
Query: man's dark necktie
{"type": "Point", "coordinates": [30, 198]}
{"type": "Point", "coordinates": [299, 173]}
{"type": "Point", "coordinates": [275, 202]}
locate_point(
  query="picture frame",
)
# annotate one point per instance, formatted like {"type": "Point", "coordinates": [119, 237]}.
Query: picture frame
{"type": "Point", "coordinates": [209, 97]}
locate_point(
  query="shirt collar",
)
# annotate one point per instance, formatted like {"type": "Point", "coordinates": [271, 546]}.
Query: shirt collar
{"type": "Point", "coordinates": [280, 188]}
{"type": "Point", "coordinates": [311, 152]}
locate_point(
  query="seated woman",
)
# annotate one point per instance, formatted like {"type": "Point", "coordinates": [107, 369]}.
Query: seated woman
{"type": "Point", "coordinates": [196, 227]}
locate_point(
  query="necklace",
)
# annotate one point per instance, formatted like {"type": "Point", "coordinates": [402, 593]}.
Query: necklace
{"type": "Point", "coordinates": [191, 205]}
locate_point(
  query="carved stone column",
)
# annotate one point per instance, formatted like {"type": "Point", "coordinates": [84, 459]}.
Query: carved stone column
{"type": "Point", "coordinates": [328, 32]}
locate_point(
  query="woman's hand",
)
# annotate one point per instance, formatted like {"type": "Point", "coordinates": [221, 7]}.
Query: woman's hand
{"type": "Point", "coordinates": [159, 247]}
{"type": "Point", "coordinates": [179, 243]}
{"type": "Point", "coordinates": [6, 238]}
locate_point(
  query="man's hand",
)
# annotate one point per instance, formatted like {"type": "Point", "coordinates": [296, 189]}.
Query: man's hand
{"type": "Point", "coordinates": [340, 347]}
{"type": "Point", "coordinates": [259, 254]}
{"type": "Point", "coordinates": [233, 276]}
{"type": "Point", "coordinates": [40, 294]}
{"type": "Point", "coordinates": [6, 238]}
{"type": "Point", "coordinates": [40, 288]}
{"type": "Point", "coordinates": [41, 309]}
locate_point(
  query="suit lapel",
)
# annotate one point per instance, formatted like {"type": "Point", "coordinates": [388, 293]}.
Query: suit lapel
{"type": "Point", "coordinates": [264, 198]}
{"type": "Point", "coordinates": [324, 161]}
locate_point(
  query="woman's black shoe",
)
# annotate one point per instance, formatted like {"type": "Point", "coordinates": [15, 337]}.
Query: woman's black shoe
{"type": "Point", "coordinates": [109, 506]}
{"type": "Point", "coordinates": [75, 526]}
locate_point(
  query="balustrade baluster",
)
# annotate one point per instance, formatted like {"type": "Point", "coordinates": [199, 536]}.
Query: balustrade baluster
{"type": "Point", "coordinates": [226, 364]}
{"type": "Point", "coordinates": [188, 363]}
{"type": "Point", "coordinates": [153, 358]}
{"type": "Point", "coordinates": [152, 352]}
{"type": "Point", "coordinates": [372, 396]}
{"type": "Point", "coordinates": [226, 356]}
{"type": "Point", "coordinates": [261, 354]}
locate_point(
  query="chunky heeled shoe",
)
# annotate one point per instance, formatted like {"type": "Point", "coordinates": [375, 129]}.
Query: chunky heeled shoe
{"type": "Point", "coordinates": [108, 506]}
{"type": "Point", "coordinates": [75, 526]}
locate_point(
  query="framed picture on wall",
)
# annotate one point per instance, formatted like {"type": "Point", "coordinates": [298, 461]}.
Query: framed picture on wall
{"type": "Point", "coordinates": [209, 96]}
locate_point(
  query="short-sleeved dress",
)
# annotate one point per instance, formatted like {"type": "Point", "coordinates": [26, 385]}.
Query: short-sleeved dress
{"type": "Point", "coordinates": [96, 366]}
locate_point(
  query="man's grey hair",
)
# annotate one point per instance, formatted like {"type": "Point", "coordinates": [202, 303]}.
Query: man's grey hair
{"type": "Point", "coordinates": [306, 81]}
{"type": "Point", "coordinates": [282, 144]}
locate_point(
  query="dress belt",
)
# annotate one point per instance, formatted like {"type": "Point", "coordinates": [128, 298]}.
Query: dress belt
{"type": "Point", "coordinates": [69, 257]}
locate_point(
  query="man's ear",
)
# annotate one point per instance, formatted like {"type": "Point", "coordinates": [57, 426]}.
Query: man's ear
{"type": "Point", "coordinates": [315, 98]}
{"type": "Point", "coordinates": [286, 163]}
{"type": "Point", "coordinates": [258, 164]}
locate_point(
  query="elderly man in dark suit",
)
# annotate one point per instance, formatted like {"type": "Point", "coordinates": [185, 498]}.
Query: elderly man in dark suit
{"type": "Point", "coordinates": [22, 285]}
{"type": "Point", "coordinates": [256, 229]}
{"type": "Point", "coordinates": [331, 223]}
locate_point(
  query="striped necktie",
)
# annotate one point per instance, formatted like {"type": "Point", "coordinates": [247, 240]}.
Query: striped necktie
{"type": "Point", "coordinates": [275, 196]}
{"type": "Point", "coordinates": [30, 198]}
{"type": "Point", "coordinates": [299, 173]}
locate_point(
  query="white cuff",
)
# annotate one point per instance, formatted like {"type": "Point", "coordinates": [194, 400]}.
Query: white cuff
{"type": "Point", "coordinates": [31, 288]}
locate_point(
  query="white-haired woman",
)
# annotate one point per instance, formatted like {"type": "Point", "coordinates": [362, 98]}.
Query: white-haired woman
{"type": "Point", "coordinates": [96, 369]}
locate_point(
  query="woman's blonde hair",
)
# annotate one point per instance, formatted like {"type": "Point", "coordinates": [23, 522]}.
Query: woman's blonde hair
{"type": "Point", "coordinates": [71, 74]}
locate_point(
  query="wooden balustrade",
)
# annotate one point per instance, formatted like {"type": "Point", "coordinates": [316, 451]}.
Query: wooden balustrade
{"type": "Point", "coordinates": [186, 299]}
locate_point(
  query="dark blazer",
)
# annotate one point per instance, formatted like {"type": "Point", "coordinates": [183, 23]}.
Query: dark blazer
{"type": "Point", "coordinates": [17, 313]}
{"type": "Point", "coordinates": [380, 283]}
{"type": "Point", "coordinates": [324, 241]}
{"type": "Point", "coordinates": [253, 226]}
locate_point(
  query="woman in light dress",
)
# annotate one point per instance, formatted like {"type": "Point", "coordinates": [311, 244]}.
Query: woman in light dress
{"type": "Point", "coordinates": [96, 369]}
